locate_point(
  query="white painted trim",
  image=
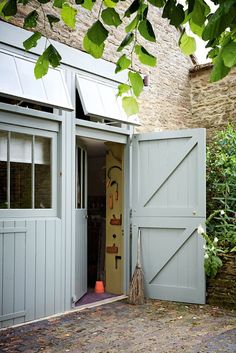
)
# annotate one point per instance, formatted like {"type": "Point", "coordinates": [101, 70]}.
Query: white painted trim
{"type": "Point", "coordinates": [15, 36]}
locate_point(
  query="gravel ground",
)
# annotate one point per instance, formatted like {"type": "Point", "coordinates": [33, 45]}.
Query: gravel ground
{"type": "Point", "coordinates": [157, 326]}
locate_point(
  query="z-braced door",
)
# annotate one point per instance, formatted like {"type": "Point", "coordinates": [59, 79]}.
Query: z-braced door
{"type": "Point", "coordinates": [168, 206]}
{"type": "Point", "coordinates": [81, 223]}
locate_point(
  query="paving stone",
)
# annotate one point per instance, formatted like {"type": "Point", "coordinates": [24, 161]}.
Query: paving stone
{"type": "Point", "coordinates": [118, 327]}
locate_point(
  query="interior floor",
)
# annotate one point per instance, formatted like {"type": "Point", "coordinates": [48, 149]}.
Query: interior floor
{"type": "Point", "coordinates": [92, 297]}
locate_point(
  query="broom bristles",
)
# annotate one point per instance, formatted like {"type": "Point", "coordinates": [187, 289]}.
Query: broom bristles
{"type": "Point", "coordinates": [136, 289]}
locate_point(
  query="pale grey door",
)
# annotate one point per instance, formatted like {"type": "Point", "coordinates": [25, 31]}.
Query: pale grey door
{"type": "Point", "coordinates": [81, 223]}
{"type": "Point", "coordinates": [168, 205]}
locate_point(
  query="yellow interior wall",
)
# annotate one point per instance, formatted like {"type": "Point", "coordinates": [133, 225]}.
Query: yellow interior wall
{"type": "Point", "coordinates": [114, 276]}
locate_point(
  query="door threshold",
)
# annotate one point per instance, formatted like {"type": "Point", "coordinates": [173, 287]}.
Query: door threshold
{"type": "Point", "coordinates": [77, 309]}
{"type": "Point", "coordinates": [100, 302]}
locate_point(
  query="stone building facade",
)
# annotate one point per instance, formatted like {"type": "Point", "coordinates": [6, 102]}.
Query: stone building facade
{"type": "Point", "coordinates": [213, 105]}
{"type": "Point", "coordinates": [179, 94]}
{"type": "Point", "coordinates": [165, 103]}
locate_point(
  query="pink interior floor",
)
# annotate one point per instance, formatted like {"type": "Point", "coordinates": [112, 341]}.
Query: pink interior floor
{"type": "Point", "coordinates": [91, 297]}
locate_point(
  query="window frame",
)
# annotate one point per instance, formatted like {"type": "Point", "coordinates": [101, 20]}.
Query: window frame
{"type": "Point", "coordinates": [36, 212]}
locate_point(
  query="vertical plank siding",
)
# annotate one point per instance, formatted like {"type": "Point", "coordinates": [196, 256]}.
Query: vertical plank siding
{"type": "Point", "coordinates": [30, 270]}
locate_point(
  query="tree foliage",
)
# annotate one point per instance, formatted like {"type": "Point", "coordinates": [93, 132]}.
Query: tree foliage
{"type": "Point", "coordinates": [216, 27]}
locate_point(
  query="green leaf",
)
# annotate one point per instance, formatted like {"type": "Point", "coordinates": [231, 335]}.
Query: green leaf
{"type": "Point", "coordinates": [52, 19]}
{"type": "Point", "coordinates": [68, 15]}
{"type": "Point", "coordinates": [41, 67]}
{"type": "Point", "coordinates": [220, 20]}
{"type": "Point", "coordinates": [136, 82]}
{"type": "Point", "coordinates": [229, 54]}
{"type": "Point", "coordinates": [175, 13]}
{"type": "Point", "coordinates": [32, 41]}
{"type": "Point", "coordinates": [111, 17]}
{"type": "Point", "coordinates": [10, 8]}
{"type": "Point", "coordinates": [97, 33]}
{"type": "Point", "coordinates": [126, 41]}
{"type": "Point", "coordinates": [157, 3]}
{"type": "Point", "coordinates": [58, 3]}
{"type": "Point", "coordinates": [187, 44]}
{"type": "Point", "coordinates": [144, 56]}
{"type": "Point", "coordinates": [200, 12]}
{"type": "Point", "coordinates": [110, 3]}
{"type": "Point", "coordinates": [130, 105]}
{"type": "Point", "coordinates": [122, 64]}
{"type": "Point", "coordinates": [195, 28]}
{"type": "Point", "coordinates": [31, 19]}
{"type": "Point", "coordinates": [2, 4]}
{"type": "Point", "coordinates": [95, 50]}
{"type": "Point", "coordinates": [213, 53]}
{"type": "Point", "coordinates": [88, 4]}
{"type": "Point", "coordinates": [53, 56]}
{"type": "Point", "coordinates": [146, 30]}
{"type": "Point", "coordinates": [132, 8]}
{"type": "Point", "coordinates": [49, 56]}
{"type": "Point", "coordinates": [123, 88]}
{"type": "Point", "coordinates": [219, 70]}
{"type": "Point", "coordinates": [132, 25]}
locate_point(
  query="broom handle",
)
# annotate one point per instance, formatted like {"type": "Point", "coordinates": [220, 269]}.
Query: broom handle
{"type": "Point", "coordinates": [139, 249]}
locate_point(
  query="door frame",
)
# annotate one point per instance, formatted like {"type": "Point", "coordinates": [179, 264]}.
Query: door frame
{"type": "Point", "coordinates": [122, 136]}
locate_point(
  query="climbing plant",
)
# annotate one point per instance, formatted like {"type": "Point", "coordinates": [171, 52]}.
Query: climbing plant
{"type": "Point", "coordinates": [215, 24]}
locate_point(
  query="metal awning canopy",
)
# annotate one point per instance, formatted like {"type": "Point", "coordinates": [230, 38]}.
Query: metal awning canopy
{"type": "Point", "coordinates": [17, 80]}
{"type": "Point", "coordinates": [99, 99]}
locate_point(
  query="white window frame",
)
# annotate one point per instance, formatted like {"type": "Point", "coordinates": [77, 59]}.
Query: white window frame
{"type": "Point", "coordinates": [36, 212]}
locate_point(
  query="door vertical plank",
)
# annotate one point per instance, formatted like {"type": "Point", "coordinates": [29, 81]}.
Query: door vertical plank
{"type": "Point", "coordinates": [58, 267]}
{"type": "Point", "coordinates": [40, 269]}
{"type": "Point", "coordinates": [49, 266]}
{"type": "Point", "coordinates": [30, 270]}
{"type": "Point", "coordinates": [19, 285]}
{"type": "Point", "coordinates": [8, 272]}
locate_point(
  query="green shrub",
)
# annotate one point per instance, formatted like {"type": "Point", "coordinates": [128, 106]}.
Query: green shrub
{"type": "Point", "coordinates": [221, 188]}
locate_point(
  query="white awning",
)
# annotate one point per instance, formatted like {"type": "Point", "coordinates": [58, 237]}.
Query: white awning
{"type": "Point", "coordinates": [99, 99]}
{"type": "Point", "coordinates": [17, 80]}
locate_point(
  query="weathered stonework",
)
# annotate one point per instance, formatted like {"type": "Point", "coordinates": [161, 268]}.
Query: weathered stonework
{"type": "Point", "coordinates": [165, 103]}
{"type": "Point", "coordinates": [221, 290]}
{"type": "Point", "coordinates": [213, 104]}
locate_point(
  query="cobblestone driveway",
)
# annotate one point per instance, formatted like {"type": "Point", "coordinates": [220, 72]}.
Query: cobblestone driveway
{"type": "Point", "coordinates": [118, 327]}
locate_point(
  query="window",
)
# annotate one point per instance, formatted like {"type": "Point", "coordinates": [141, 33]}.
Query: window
{"type": "Point", "coordinates": [25, 171]}
{"type": "Point", "coordinates": [81, 171]}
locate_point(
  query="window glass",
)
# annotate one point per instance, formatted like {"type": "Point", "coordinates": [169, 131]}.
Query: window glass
{"type": "Point", "coordinates": [79, 179]}
{"type": "Point", "coordinates": [25, 171]}
{"type": "Point", "coordinates": [3, 169]}
{"type": "Point", "coordinates": [20, 170]}
{"type": "Point", "coordinates": [42, 160]}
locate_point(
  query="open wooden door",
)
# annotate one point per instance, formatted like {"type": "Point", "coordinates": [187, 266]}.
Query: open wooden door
{"type": "Point", "coordinates": [168, 205]}
{"type": "Point", "coordinates": [81, 223]}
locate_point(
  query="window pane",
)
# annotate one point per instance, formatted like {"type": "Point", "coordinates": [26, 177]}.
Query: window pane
{"type": "Point", "coordinates": [43, 184]}
{"type": "Point", "coordinates": [79, 179]}
{"type": "Point", "coordinates": [3, 169]}
{"type": "Point", "coordinates": [20, 171]}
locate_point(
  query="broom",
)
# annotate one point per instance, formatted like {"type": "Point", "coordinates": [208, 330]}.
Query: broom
{"type": "Point", "coordinates": [136, 288]}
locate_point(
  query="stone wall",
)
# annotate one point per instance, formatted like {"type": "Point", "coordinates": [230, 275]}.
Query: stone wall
{"type": "Point", "coordinates": [221, 290]}
{"type": "Point", "coordinates": [165, 103]}
{"type": "Point", "coordinates": [213, 104]}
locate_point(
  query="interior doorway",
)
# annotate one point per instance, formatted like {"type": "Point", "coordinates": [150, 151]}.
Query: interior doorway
{"type": "Point", "coordinates": [100, 195]}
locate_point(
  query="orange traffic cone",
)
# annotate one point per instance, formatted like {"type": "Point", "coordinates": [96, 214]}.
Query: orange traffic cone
{"type": "Point", "coordinates": [99, 287]}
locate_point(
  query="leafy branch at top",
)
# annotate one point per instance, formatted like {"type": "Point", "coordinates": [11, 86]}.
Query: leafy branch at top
{"type": "Point", "coordinates": [217, 27]}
